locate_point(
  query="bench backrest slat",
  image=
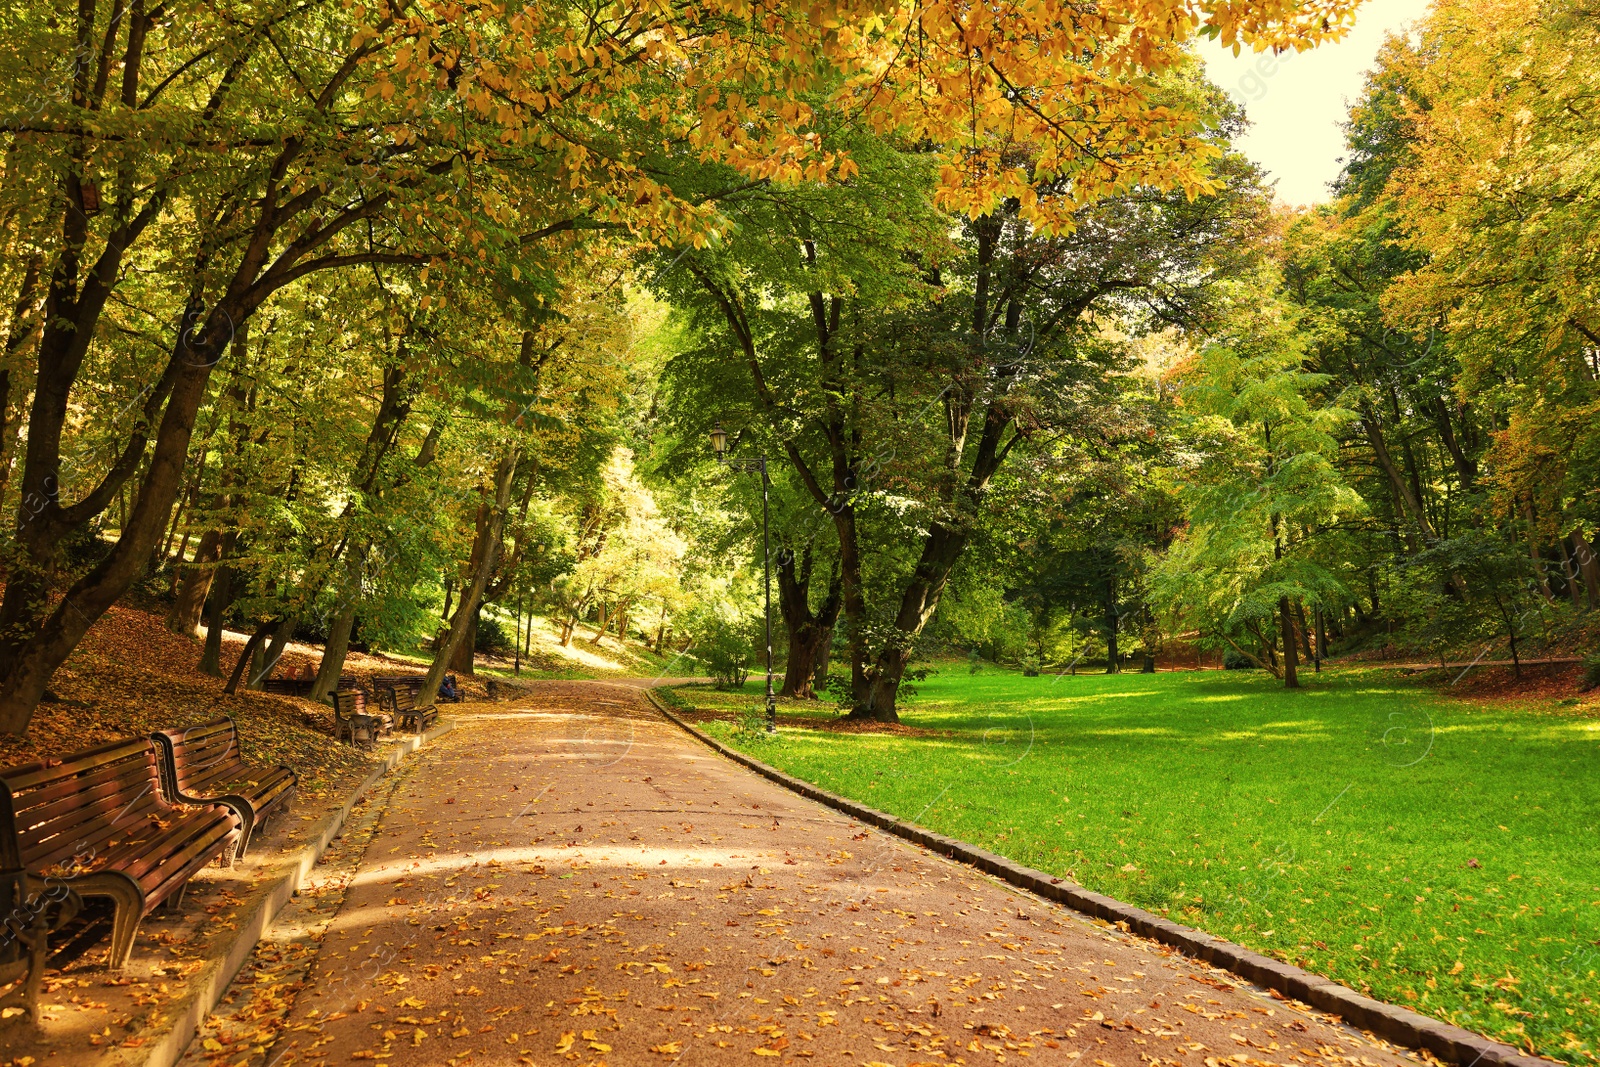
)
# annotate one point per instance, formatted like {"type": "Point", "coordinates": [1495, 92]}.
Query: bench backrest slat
{"type": "Point", "coordinates": [33, 775]}
{"type": "Point", "coordinates": [94, 801]}
{"type": "Point", "coordinates": [60, 808]}
{"type": "Point", "coordinates": [204, 754]}
{"type": "Point", "coordinates": [348, 702]}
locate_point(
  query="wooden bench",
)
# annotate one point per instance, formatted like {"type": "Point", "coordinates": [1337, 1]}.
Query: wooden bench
{"type": "Point", "coordinates": [94, 823]}
{"type": "Point", "coordinates": [301, 687]}
{"type": "Point", "coordinates": [391, 689]}
{"type": "Point", "coordinates": [352, 719]}
{"type": "Point", "coordinates": [202, 765]}
{"type": "Point", "coordinates": [385, 686]}
{"type": "Point", "coordinates": [395, 681]}
{"type": "Point", "coordinates": [408, 714]}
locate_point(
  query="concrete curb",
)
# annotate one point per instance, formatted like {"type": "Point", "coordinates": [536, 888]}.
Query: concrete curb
{"type": "Point", "coordinates": [178, 1028]}
{"type": "Point", "coordinates": [1452, 1044]}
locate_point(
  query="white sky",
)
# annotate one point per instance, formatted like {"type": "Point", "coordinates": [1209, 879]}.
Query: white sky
{"type": "Point", "coordinates": [1297, 101]}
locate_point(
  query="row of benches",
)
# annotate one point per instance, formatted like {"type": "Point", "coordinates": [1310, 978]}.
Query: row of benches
{"type": "Point", "coordinates": [130, 821]}
{"type": "Point", "coordinates": [353, 715]}
{"type": "Point", "coordinates": [353, 720]}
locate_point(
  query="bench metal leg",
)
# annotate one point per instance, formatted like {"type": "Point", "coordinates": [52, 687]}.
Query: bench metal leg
{"type": "Point", "coordinates": [247, 829]}
{"type": "Point", "coordinates": [127, 902]}
{"type": "Point", "coordinates": [37, 941]}
{"type": "Point", "coordinates": [124, 930]}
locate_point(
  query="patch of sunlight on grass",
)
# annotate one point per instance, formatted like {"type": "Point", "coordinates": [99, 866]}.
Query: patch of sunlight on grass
{"type": "Point", "coordinates": [1135, 731]}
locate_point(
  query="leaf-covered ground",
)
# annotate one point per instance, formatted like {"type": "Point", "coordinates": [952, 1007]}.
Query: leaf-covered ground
{"type": "Point", "coordinates": [132, 675]}
{"type": "Point", "coordinates": [1442, 853]}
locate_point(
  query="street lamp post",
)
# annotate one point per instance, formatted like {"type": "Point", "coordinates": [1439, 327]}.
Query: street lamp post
{"type": "Point", "coordinates": [719, 445]}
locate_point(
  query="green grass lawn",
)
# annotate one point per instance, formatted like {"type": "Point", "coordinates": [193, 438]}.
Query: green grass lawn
{"type": "Point", "coordinates": [1436, 853]}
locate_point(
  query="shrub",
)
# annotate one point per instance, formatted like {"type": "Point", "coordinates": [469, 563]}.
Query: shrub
{"type": "Point", "coordinates": [84, 547]}
{"type": "Point", "coordinates": [1234, 660]}
{"type": "Point", "coordinates": [725, 648]}
{"type": "Point", "coordinates": [1591, 672]}
{"type": "Point", "coordinates": [753, 723]}
{"type": "Point", "coordinates": [492, 636]}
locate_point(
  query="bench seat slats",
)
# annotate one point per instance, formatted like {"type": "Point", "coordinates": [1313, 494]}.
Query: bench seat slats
{"type": "Point", "coordinates": [163, 854]}
{"type": "Point", "coordinates": [97, 821]}
{"type": "Point", "coordinates": [203, 764]}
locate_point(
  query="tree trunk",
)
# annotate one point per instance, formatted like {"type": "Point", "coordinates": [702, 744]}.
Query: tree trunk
{"type": "Point", "coordinates": [465, 659]}
{"type": "Point", "coordinates": [334, 652]}
{"type": "Point", "coordinates": [1291, 675]}
{"type": "Point", "coordinates": [887, 670]}
{"type": "Point", "coordinates": [805, 654]}
{"type": "Point", "coordinates": [1588, 566]}
{"type": "Point", "coordinates": [941, 548]}
{"type": "Point", "coordinates": [247, 654]}
{"type": "Point", "coordinates": [854, 601]}
{"type": "Point", "coordinates": [40, 636]}
{"type": "Point", "coordinates": [195, 587]}
{"type": "Point", "coordinates": [1112, 667]}
{"type": "Point", "coordinates": [1542, 579]}
{"type": "Point", "coordinates": [1571, 571]}
{"type": "Point", "coordinates": [1466, 469]}
{"type": "Point", "coordinates": [486, 548]}
{"type": "Point", "coordinates": [516, 642]}
{"type": "Point", "coordinates": [392, 411]}
{"type": "Point", "coordinates": [280, 640]}
{"type": "Point", "coordinates": [1511, 636]}
{"type": "Point", "coordinates": [810, 633]}
{"type": "Point", "coordinates": [1397, 479]}
{"type": "Point", "coordinates": [1305, 630]}
{"type": "Point", "coordinates": [23, 328]}
{"type": "Point", "coordinates": [819, 676]}
{"type": "Point", "coordinates": [1144, 643]}
{"type": "Point", "coordinates": [217, 605]}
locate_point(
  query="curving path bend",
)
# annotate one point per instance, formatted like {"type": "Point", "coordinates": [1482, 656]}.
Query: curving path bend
{"type": "Point", "coordinates": [572, 879]}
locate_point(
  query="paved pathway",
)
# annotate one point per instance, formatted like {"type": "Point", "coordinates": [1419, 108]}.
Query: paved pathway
{"type": "Point", "coordinates": [576, 880]}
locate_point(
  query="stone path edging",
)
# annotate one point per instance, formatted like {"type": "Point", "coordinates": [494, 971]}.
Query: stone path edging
{"type": "Point", "coordinates": [1452, 1044]}
{"type": "Point", "coordinates": [209, 985]}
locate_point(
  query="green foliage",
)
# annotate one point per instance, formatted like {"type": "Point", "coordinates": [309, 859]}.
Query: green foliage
{"type": "Point", "coordinates": [492, 636]}
{"type": "Point", "coordinates": [752, 726]}
{"type": "Point", "coordinates": [1265, 485]}
{"type": "Point", "coordinates": [724, 646]}
{"type": "Point", "coordinates": [1234, 660]}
